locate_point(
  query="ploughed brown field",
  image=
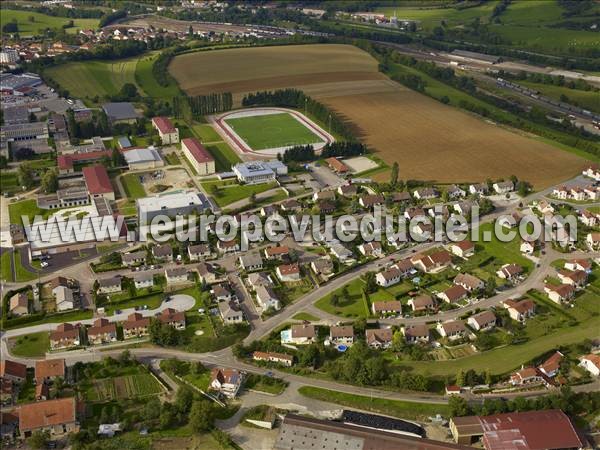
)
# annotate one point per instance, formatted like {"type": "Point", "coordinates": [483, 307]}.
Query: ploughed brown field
{"type": "Point", "coordinates": [430, 141]}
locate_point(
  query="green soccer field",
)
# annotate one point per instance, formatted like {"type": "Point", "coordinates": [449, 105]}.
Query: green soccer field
{"type": "Point", "coordinates": [272, 131]}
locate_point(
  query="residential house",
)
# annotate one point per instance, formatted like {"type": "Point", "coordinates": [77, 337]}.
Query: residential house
{"type": "Point", "coordinates": [269, 210]}
{"type": "Point", "coordinates": [199, 251]}
{"type": "Point", "coordinates": [463, 249]}
{"type": "Point", "coordinates": [510, 271]}
{"type": "Point", "coordinates": [470, 282]}
{"type": "Point", "coordinates": [455, 191]}
{"type": "Point", "coordinates": [274, 357]}
{"type": "Point", "coordinates": [259, 279]}
{"type": "Point", "coordinates": [341, 252]}
{"type": "Point", "coordinates": [551, 366]}
{"type": "Point", "coordinates": [291, 205]}
{"type": "Point", "coordinates": [109, 285]}
{"type": "Point", "coordinates": [561, 192]}
{"type": "Point", "coordinates": [288, 272]}
{"type": "Point", "coordinates": [48, 370]}
{"type": "Point", "coordinates": [559, 293]}
{"type": "Point", "coordinates": [589, 219]}
{"type": "Point", "coordinates": [324, 195]}
{"type": "Point", "coordinates": [591, 363]}
{"type": "Point", "coordinates": [58, 417]}
{"type": "Point", "coordinates": [326, 207]}
{"type": "Point", "coordinates": [230, 313]}
{"type": "Point", "coordinates": [228, 246]}
{"type": "Point", "coordinates": [226, 381]}
{"type": "Point", "coordinates": [479, 189]}
{"type": "Point", "coordinates": [173, 318]}
{"type": "Point", "coordinates": [143, 280]}
{"type": "Point", "coordinates": [12, 370]}
{"type": "Point", "coordinates": [593, 172]}
{"type": "Point", "coordinates": [371, 249]}
{"type": "Point", "coordinates": [102, 331]}
{"type": "Point", "coordinates": [322, 266]}
{"type": "Point", "coordinates": [422, 303]}
{"type": "Point", "coordinates": [527, 247]}
{"type": "Point", "coordinates": [389, 277]}
{"type": "Point", "coordinates": [510, 221]}
{"type": "Point", "coordinates": [577, 194]}
{"type": "Point", "coordinates": [341, 335]}
{"type": "Point", "coordinates": [64, 298]}
{"type": "Point", "coordinates": [176, 275]}
{"type": "Point", "coordinates": [452, 329]}
{"type": "Point", "coordinates": [222, 293]}
{"type": "Point", "coordinates": [251, 262]}
{"type": "Point", "coordinates": [544, 207]}
{"type": "Point", "coordinates": [277, 252]}
{"type": "Point", "coordinates": [527, 375]}
{"type": "Point", "coordinates": [392, 307]}
{"type": "Point", "coordinates": [299, 335]}
{"type": "Point", "coordinates": [579, 264]}
{"type": "Point", "coordinates": [134, 258]}
{"type": "Point", "coordinates": [520, 310]}
{"type": "Point", "coordinates": [348, 190]}
{"type": "Point", "coordinates": [163, 253]}
{"type": "Point", "coordinates": [503, 187]}
{"type": "Point", "coordinates": [576, 278]}
{"type": "Point", "coordinates": [136, 326]}
{"type": "Point", "coordinates": [416, 334]}
{"type": "Point", "coordinates": [379, 338]}
{"type": "Point", "coordinates": [463, 208]}
{"type": "Point", "coordinates": [413, 213]}
{"type": "Point", "coordinates": [266, 298]}
{"type": "Point", "coordinates": [425, 193]}
{"type": "Point", "coordinates": [400, 197]}
{"type": "Point", "coordinates": [337, 165]}
{"type": "Point", "coordinates": [434, 262]}
{"type": "Point", "coordinates": [593, 240]}
{"type": "Point", "coordinates": [454, 294]}
{"type": "Point", "coordinates": [19, 304]}
{"type": "Point", "coordinates": [483, 321]}
{"type": "Point", "coordinates": [66, 335]}
{"type": "Point", "coordinates": [206, 273]}
{"type": "Point", "coordinates": [370, 200]}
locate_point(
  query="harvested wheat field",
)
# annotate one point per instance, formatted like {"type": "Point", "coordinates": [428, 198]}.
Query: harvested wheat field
{"type": "Point", "coordinates": [430, 141]}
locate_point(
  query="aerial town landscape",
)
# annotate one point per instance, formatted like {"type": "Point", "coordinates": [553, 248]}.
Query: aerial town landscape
{"type": "Point", "coordinates": [300, 224]}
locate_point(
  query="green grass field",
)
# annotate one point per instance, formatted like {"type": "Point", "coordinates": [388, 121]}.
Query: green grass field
{"type": "Point", "coordinates": [132, 186]}
{"type": "Point", "coordinates": [8, 182]}
{"type": "Point", "coordinates": [305, 316]}
{"type": "Point", "coordinates": [32, 345]}
{"type": "Point", "coordinates": [206, 133]}
{"type": "Point", "coordinates": [229, 193]}
{"type": "Point", "coordinates": [42, 21]}
{"type": "Point", "coordinates": [272, 131]}
{"type": "Point", "coordinates": [5, 263]}
{"type": "Point", "coordinates": [396, 408]}
{"type": "Point", "coordinates": [26, 208]}
{"type": "Point", "coordinates": [88, 79]}
{"type": "Point", "coordinates": [146, 81]}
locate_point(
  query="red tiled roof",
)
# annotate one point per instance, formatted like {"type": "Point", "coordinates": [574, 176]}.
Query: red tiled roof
{"type": "Point", "coordinates": [102, 326]}
{"type": "Point", "coordinates": [97, 180]}
{"type": "Point", "coordinates": [163, 124]}
{"type": "Point", "coordinates": [46, 368]}
{"type": "Point", "coordinates": [337, 165]}
{"type": "Point", "coordinates": [48, 413]}
{"type": "Point", "coordinates": [65, 331]}
{"type": "Point", "coordinates": [13, 368]}
{"type": "Point", "coordinates": [66, 161]}
{"type": "Point", "coordinates": [197, 150]}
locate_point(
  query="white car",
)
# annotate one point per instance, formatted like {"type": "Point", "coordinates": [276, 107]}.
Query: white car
{"type": "Point", "coordinates": [44, 264]}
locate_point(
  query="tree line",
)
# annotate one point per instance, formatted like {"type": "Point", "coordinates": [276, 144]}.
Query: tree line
{"type": "Point", "coordinates": [201, 105]}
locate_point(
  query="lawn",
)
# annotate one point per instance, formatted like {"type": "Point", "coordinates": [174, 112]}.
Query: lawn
{"type": "Point", "coordinates": [272, 131]}
{"type": "Point", "coordinates": [70, 316]}
{"type": "Point", "coordinates": [152, 300]}
{"type": "Point", "coordinates": [132, 186]}
{"type": "Point", "coordinates": [6, 263]}
{"type": "Point", "coordinates": [9, 182]}
{"type": "Point", "coordinates": [306, 316]}
{"type": "Point", "coordinates": [350, 306]}
{"type": "Point", "coordinates": [42, 21]}
{"type": "Point", "coordinates": [266, 384]}
{"type": "Point", "coordinates": [395, 408]}
{"type": "Point", "coordinates": [31, 345]}
{"type": "Point", "coordinates": [21, 273]}
{"type": "Point", "coordinates": [224, 156]}
{"type": "Point", "coordinates": [206, 133]}
{"type": "Point", "coordinates": [27, 208]}
{"type": "Point", "coordinates": [229, 193]}
{"type": "Point", "coordinates": [505, 252]}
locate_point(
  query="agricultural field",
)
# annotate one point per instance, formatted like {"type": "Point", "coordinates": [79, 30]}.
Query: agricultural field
{"type": "Point", "coordinates": [41, 22]}
{"type": "Point", "coordinates": [272, 131]}
{"type": "Point", "coordinates": [88, 79]}
{"type": "Point", "coordinates": [146, 81]}
{"type": "Point", "coordinates": [123, 387]}
{"type": "Point", "coordinates": [396, 122]}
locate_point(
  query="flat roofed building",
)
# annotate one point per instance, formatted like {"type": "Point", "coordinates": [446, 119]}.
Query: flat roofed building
{"type": "Point", "coordinates": [255, 172]}
{"type": "Point", "coordinates": [143, 158]}
{"type": "Point", "coordinates": [120, 112]}
{"type": "Point", "coordinates": [181, 203]}
{"type": "Point", "coordinates": [202, 161]}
